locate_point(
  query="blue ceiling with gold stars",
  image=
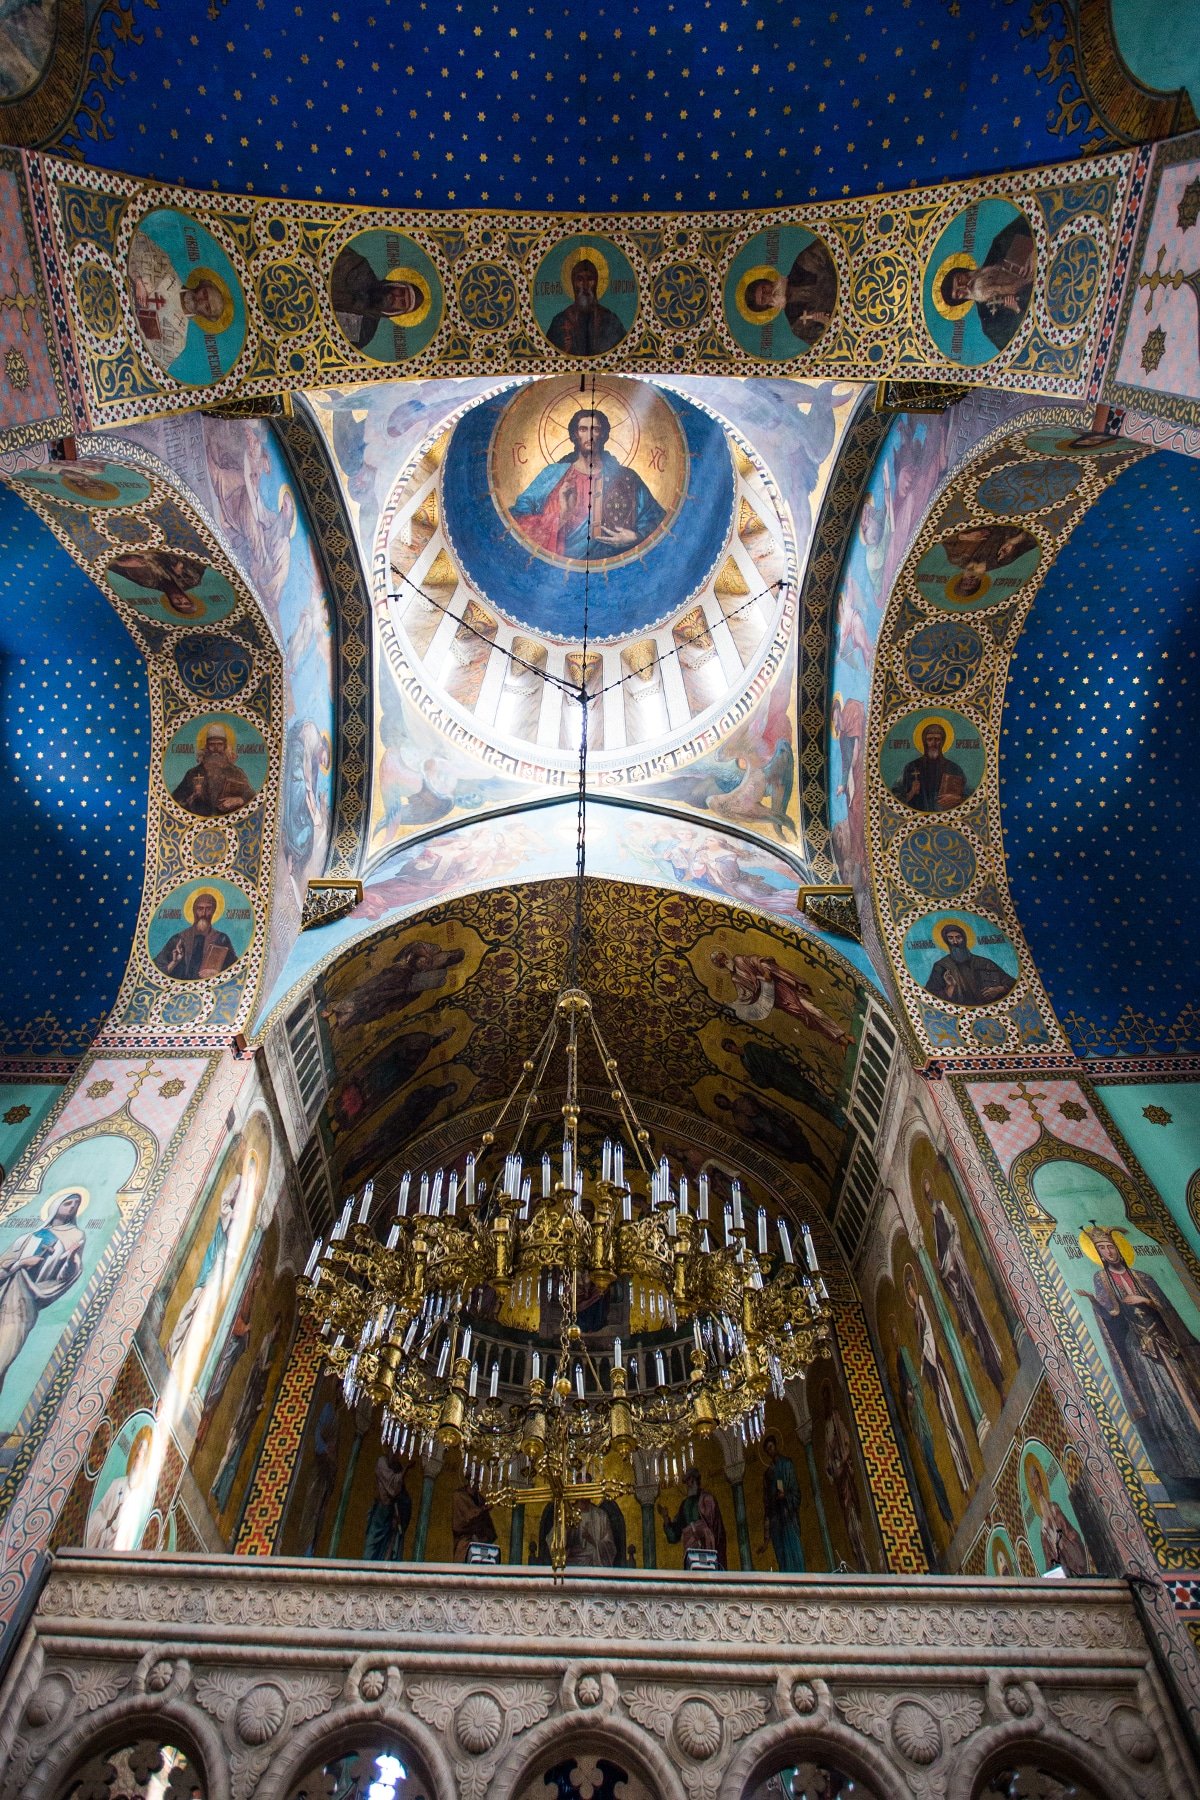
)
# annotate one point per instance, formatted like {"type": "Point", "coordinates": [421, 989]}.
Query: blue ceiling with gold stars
{"type": "Point", "coordinates": [1098, 768]}
{"type": "Point", "coordinates": [74, 774]}
{"type": "Point", "coordinates": [662, 103]}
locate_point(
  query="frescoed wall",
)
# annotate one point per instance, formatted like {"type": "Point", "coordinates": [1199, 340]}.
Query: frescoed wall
{"type": "Point", "coordinates": [270, 532]}
{"type": "Point", "coordinates": [1159, 1122]}
{"type": "Point", "coordinates": [1039, 1513]}
{"type": "Point", "coordinates": [23, 1108]}
{"type": "Point", "coordinates": [209, 1352]}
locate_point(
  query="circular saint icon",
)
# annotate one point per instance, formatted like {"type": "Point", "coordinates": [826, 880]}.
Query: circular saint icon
{"type": "Point", "coordinates": [932, 760]}
{"type": "Point", "coordinates": [961, 958]}
{"type": "Point", "coordinates": [87, 483]}
{"type": "Point", "coordinates": [977, 565]}
{"type": "Point", "coordinates": [187, 299]}
{"type": "Point", "coordinates": [200, 929]}
{"type": "Point", "coordinates": [585, 296]}
{"type": "Point", "coordinates": [215, 764]}
{"type": "Point", "coordinates": [780, 292]}
{"type": "Point", "coordinates": [979, 282]}
{"type": "Point", "coordinates": [171, 585]}
{"type": "Point", "coordinates": [387, 297]}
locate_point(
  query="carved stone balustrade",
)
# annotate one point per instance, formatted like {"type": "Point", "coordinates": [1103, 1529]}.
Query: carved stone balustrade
{"type": "Point", "coordinates": [701, 1687]}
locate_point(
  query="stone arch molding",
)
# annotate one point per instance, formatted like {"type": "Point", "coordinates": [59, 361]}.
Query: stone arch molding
{"type": "Point", "coordinates": [230, 664]}
{"type": "Point", "coordinates": [944, 651]}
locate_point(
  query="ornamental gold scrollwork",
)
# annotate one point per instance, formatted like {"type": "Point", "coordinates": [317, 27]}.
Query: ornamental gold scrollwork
{"type": "Point", "coordinates": [487, 296]}
{"type": "Point", "coordinates": [287, 298]}
{"type": "Point", "coordinates": [680, 295]}
{"type": "Point", "coordinates": [881, 291]}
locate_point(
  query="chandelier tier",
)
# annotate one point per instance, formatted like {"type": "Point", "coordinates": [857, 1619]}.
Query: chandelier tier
{"type": "Point", "coordinates": [412, 1322]}
{"type": "Point", "coordinates": [462, 1321]}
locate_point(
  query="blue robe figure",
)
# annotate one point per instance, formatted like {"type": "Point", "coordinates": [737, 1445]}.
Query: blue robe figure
{"type": "Point", "coordinates": [554, 508]}
{"type": "Point", "coordinates": [912, 1406]}
{"type": "Point", "coordinates": [781, 1509]}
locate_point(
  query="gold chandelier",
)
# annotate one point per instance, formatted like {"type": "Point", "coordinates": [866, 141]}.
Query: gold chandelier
{"type": "Point", "coordinates": [439, 1321]}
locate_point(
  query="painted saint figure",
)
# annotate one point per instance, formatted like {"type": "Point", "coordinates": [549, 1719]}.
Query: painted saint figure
{"type": "Point", "coordinates": [390, 1511]}
{"type": "Point", "coordinates": [839, 1467]}
{"type": "Point", "coordinates": [781, 1509]}
{"type": "Point", "coordinates": [912, 1411]}
{"type": "Point", "coordinates": [210, 1278]}
{"type": "Point", "coordinates": [964, 978]}
{"type": "Point", "coordinates": [38, 1268]}
{"type": "Point", "coordinates": [1062, 1546]}
{"type": "Point", "coordinates": [232, 1351]}
{"type": "Point", "coordinates": [931, 782]}
{"type": "Point", "coordinates": [805, 296]}
{"type": "Point", "coordinates": [1001, 287]}
{"type": "Point", "coordinates": [362, 299]}
{"type": "Point", "coordinates": [553, 512]}
{"type": "Point", "coordinates": [471, 1520]}
{"type": "Point", "coordinates": [247, 1417]}
{"type": "Point", "coordinates": [114, 1523]}
{"type": "Point", "coordinates": [697, 1523]}
{"type": "Point", "coordinates": [960, 1284]}
{"type": "Point", "coordinates": [760, 984]}
{"type": "Point", "coordinates": [585, 327]}
{"type": "Point", "coordinates": [199, 950]}
{"type": "Point", "coordinates": [979, 550]}
{"type": "Point", "coordinates": [933, 1370]}
{"type": "Point", "coordinates": [214, 784]}
{"type": "Point", "coordinates": [169, 572]}
{"type": "Point", "coordinates": [1156, 1362]}
{"type": "Point", "coordinates": [165, 306]}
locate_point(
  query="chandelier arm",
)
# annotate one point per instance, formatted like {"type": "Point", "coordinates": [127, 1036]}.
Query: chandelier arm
{"type": "Point", "coordinates": [540, 1059]}
{"type": "Point", "coordinates": [640, 1136]}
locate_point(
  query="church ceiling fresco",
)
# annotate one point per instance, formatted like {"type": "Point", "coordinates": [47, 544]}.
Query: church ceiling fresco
{"type": "Point", "coordinates": [674, 107]}
{"type": "Point", "coordinates": [175, 294]}
{"type": "Point", "coordinates": [1102, 711]}
{"type": "Point", "coordinates": [737, 1018]}
{"type": "Point", "coordinates": [480, 592]}
{"type": "Point", "coordinates": [75, 723]}
{"type": "Point", "coordinates": [969, 984]}
{"type": "Point", "coordinates": [216, 716]}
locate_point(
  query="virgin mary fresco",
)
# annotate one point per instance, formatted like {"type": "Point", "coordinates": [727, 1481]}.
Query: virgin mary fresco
{"type": "Point", "coordinates": [587, 504]}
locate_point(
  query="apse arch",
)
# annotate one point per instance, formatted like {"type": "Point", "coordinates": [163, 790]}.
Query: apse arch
{"type": "Point", "coordinates": [356, 1724]}
{"type": "Point", "coordinates": [216, 672]}
{"type": "Point", "coordinates": [133, 1718]}
{"type": "Point", "coordinates": [595, 1728]}
{"type": "Point", "coordinates": [934, 849]}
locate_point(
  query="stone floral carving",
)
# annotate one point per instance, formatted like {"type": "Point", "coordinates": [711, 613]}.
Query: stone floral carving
{"type": "Point", "coordinates": [1134, 1737]}
{"type": "Point", "coordinates": [373, 1684]}
{"type": "Point", "coordinates": [804, 1697]}
{"type": "Point", "coordinates": [47, 1701]}
{"type": "Point", "coordinates": [916, 1733]}
{"type": "Point", "coordinates": [159, 1676]}
{"type": "Point", "coordinates": [260, 1713]}
{"type": "Point", "coordinates": [697, 1729]}
{"type": "Point", "coordinates": [478, 1723]}
{"type": "Point", "coordinates": [1017, 1700]}
{"type": "Point", "coordinates": [588, 1691]}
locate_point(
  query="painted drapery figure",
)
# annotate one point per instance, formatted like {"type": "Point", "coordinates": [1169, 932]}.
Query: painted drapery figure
{"type": "Point", "coordinates": [391, 1510]}
{"type": "Point", "coordinates": [697, 1523]}
{"type": "Point", "coordinates": [781, 1509]}
{"type": "Point", "coordinates": [960, 1285]}
{"type": "Point", "coordinates": [37, 1269]}
{"type": "Point", "coordinates": [761, 984]}
{"type": "Point", "coordinates": [587, 504]}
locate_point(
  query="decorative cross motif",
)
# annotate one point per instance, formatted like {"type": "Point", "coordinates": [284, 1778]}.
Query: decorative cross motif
{"type": "Point", "coordinates": [141, 1077]}
{"type": "Point", "coordinates": [1029, 1096]}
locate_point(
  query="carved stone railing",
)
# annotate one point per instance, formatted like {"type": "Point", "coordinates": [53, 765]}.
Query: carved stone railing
{"type": "Point", "coordinates": [701, 1686]}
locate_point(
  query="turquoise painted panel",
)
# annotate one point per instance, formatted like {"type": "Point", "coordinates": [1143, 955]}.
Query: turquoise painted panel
{"type": "Point", "coordinates": [1161, 1124]}
{"type": "Point", "coordinates": [23, 1106]}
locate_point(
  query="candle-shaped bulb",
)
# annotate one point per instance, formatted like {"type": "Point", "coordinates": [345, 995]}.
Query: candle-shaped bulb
{"type": "Point", "coordinates": [435, 1197]}
{"type": "Point", "coordinates": [579, 1380]}
{"type": "Point", "coordinates": [364, 1211]}
{"type": "Point", "coordinates": [473, 1381]}
{"type": "Point", "coordinates": [452, 1196]}
{"type": "Point", "coordinates": [626, 1207]}
{"type": "Point", "coordinates": [702, 1210]}
{"type": "Point", "coordinates": [683, 1195]}
{"type": "Point", "coordinates": [616, 1353]}
{"type": "Point", "coordinates": [762, 1231]}
{"type": "Point", "coordinates": [466, 1342]}
{"type": "Point", "coordinates": [810, 1249]}
{"type": "Point", "coordinates": [393, 1236]}
{"type": "Point", "coordinates": [606, 1160]}
{"type": "Point", "coordinates": [537, 1366]}
{"type": "Point", "coordinates": [546, 1176]}
{"type": "Point", "coordinates": [470, 1179]}
{"type": "Point", "coordinates": [494, 1383]}
{"type": "Point", "coordinates": [660, 1368]}
{"type": "Point", "coordinates": [785, 1241]}
{"type": "Point", "coordinates": [423, 1197]}
{"type": "Point", "coordinates": [406, 1183]}
{"type": "Point", "coordinates": [739, 1222]}
{"type": "Point", "coordinates": [313, 1256]}
{"type": "Point", "coordinates": [619, 1165]}
{"type": "Point", "coordinates": [568, 1173]}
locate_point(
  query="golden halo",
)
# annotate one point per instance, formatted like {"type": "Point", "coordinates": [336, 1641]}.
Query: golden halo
{"type": "Point", "coordinates": [938, 933]}
{"type": "Point", "coordinates": [760, 272]}
{"type": "Point", "coordinates": [935, 719]}
{"type": "Point", "coordinates": [420, 312]}
{"type": "Point", "coordinates": [1041, 1484]}
{"type": "Point", "coordinates": [962, 259]}
{"type": "Point", "coordinates": [582, 253]}
{"type": "Point", "coordinates": [189, 905]}
{"type": "Point", "coordinates": [227, 732]}
{"type": "Point", "coordinates": [1088, 1246]}
{"type": "Point", "coordinates": [960, 599]}
{"type": "Point", "coordinates": [224, 318]}
{"type": "Point", "coordinates": [49, 1205]}
{"type": "Point", "coordinates": [143, 1435]}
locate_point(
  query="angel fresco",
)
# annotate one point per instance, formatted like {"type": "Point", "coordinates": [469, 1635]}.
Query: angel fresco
{"type": "Point", "coordinates": [413, 971]}
{"type": "Point", "coordinates": [761, 984]}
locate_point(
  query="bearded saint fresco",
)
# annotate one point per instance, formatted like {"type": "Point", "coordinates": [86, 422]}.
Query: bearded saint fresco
{"type": "Point", "coordinates": [553, 511]}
